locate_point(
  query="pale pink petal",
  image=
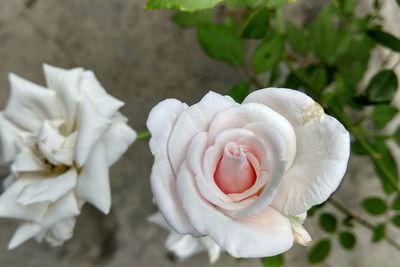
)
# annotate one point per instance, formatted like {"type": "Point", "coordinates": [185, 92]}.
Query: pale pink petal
{"type": "Point", "coordinates": [194, 119]}
{"type": "Point", "coordinates": [48, 190]}
{"type": "Point", "coordinates": [30, 104]}
{"type": "Point", "coordinates": [267, 234]}
{"type": "Point", "coordinates": [323, 149]}
{"type": "Point", "coordinates": [163, 181]}
{"type": "Point", "coordinates": [93, 182]}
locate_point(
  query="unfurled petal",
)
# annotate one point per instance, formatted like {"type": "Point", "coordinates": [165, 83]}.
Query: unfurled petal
{"type": "Point", "coordinates": [267, 234]}
{"type": "Point", "coordinates": [161, 120]}
{"type": "Point", "coordinates": [117, 140]}
{"type": "Point", "coordinates": [323, 149]}
{"type": "Point", "coordinates": [30, 104]}
{"type": "Point", "coordinates": [93, 182]}
{"type": "Point", "coordinates": [23, 233]}
{"type": "Point", "coordinates": [9, 139]}
{"type": "Point", "coordinates": [27, 161]}
{"type": "Point", "coordinates": [60, 232]}
{"type": "Point", "coordinates": [48, 190]}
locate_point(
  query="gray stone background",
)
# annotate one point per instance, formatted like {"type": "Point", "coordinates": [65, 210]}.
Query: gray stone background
{"type": "Point", "coordinates": [141, 58]}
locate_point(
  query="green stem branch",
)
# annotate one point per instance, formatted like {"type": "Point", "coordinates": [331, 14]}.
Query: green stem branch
{"type": "Point", "coordinates": [362, 222]}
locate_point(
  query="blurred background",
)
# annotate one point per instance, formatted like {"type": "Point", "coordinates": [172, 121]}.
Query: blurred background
{"type": "Point", "coordinates": [141, 57]}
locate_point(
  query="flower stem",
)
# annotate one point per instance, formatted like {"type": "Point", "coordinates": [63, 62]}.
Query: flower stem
{"type": "Point", "coordinates": [143, 135]}
{"type": "Point", "coordinates": [362, 221]}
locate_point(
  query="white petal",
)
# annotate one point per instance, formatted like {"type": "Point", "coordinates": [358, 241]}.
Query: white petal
{"type": "Point", "coordinates": [195, 119]}
{"type": "Point", "coordinates": [66, 84]}
{"type": "Point", "coordinates": [48, 190]}
{"type": "Point", "coordinates": [117, 140]}
{"type": "Point", "coordinates": [27, 161]}
{"type": "Point", "coordinates": [50, 141]}
{"type": "Point", "coordinates": [158, 219]}
{"type": "Point", "coordinates": [60, 232]}
{"type": "Point", "coordinates": [214, 250]}
{"type": "Point", "coordinates": [30, 104]}
{"type": "Point", "coordinates": [10, 208]}
{"type": "Point", "coordinates": [163, 181]}
{"type": "Point", "coordinates": [23, 233]}
{"type": "Point", "coordinates": [323, 149]}
{"type": "Point", "coordinates": [183, 246]}
{"type": "Point", "coordinates": [93, 182]}
{"type": "Point", "coordinates": [9, 139]}
{"type": "Point", "coordinates": [267, 234]}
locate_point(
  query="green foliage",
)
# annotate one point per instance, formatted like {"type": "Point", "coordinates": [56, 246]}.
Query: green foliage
{"type": "Point", "coordinates": [385, 39]}
{"type": "Point", "coordinates": [297, 39]}
{"type": "Point", "coordinates": [240, 90]}
{"type": "Point", "coordinates": [194, 19]}
{"type": "Point", "coordinates": [378, 233]}
{"type": "Point", "coordinates": [256, 25]}
{"type": "Point", "coordinates": [267, 53]}
{"type": "Point", "coordinates": [396, 203]}
{"type": "Point", "coordinates": [221, 42]}
{"type": "Point", "coordinates": [275, 261]}
{"type": "Point", "coordinates": [374, 205]}
{"type": "Point", "coordinates": [347, 240]}
{"type": "Point", "coordinates": [328, 222]}
{"type": "Point", "coordinates": [382, 86]}
{"type": "Point", "coordinates": [382, 114]}
{"type": "Point", "coordinates": [320, 251]}
{"type": "Point", "coordinates": [396, 220]}
{"type": "Point", "coordinates": [183, 5]}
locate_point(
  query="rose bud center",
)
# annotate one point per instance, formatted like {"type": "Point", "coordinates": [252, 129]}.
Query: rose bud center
{"type": "Point", "coordinates": [234, 173]}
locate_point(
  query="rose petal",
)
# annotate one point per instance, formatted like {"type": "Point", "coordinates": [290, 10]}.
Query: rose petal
{"type": "Point", "coordinates": [66, 84]}
{"type": "Point", "coordinates": [48, 190]}
{"type": "Point", "coordinates": [30, 104]}
{"type": "Point", "coordinates": [60, 232]}
{"type": "Point", "coordinates": [323, 149]}
{"type": "Point", "coordinates": [93, 182]}
{"type": "Point", "coordinates": [27, 161]}
{"type": "Point", "coordinates": [193, 120]}
{"type": "Point", "coordinates": [10, 208]}
{"type": "Point", "coordinates": [97, 109]}
{"type": "Point", "coordinates": [117, 140]}
{"type": "Point", "coordinates": [163, 182]}
{"type": "Point", "coordinates": [23, 233]}
{"type": "Point", "coordinates": [267, 234]}
{"type": "Point", "coordinates": [9, 139]}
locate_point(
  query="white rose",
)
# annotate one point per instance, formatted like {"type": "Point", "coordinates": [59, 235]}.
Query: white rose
{"type": "Point", "coordinates": [245, 174]}
{"type": "Point", "coordinates": [60, 141]}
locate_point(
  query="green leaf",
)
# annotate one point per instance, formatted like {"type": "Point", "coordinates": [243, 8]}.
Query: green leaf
{"type": "Point", "coordinates": [382, 86]}
{"type": "Point", "coordinates": [384, 38]}
{"type": "Point", "coordinates": [396, 136]}
{"type": "Point", "coordinates": [374, 205]}
{"type": "Point", "coordinates": [255, 3]}
{"type": "Point", "coordinates": [357, 148]}
{"type": "Point", "coordinates": [348, 5]}
{"type": "Point", "coordinates": [396, 203]}
{"type": "Point", "coordinates": [267, 54]}
{"type": "Point", "coordinates": [378, 233]}
{"type": "Point", "coordinates": [183, 5]}
{"type": "Point", "coordinates": [192, 19]}
{"type": "Point", "coordinates": [275, 261]}
{"type": "Point", "coordinates": [382, 114]}
{"type": "Point", "coordinates": [221, 42]}
{"type": "Point", "coordinates": [328, 222]}
{"type": "Point", "coordinates": [385, 165]}
{"type": "Point", "coordinates": [297, 39]}
{"type": "Point", "coordinates": [396, 220]}
{"type": "Point", "coordinates": [398, 2]}
{"type": "Point", "coordinates": [239, 91]}
{"type": "Point", "coordinates": [256, 25]}
{"type": "Point", "coordinates": [320, 251]}
{"type": "Point", "coordinates": [347, 240]}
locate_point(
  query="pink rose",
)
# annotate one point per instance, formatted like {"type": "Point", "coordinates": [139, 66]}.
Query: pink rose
{"type": "Point", "coordinates": [245, 174]}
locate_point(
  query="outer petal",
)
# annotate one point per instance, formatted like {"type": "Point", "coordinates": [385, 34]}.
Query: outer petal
{"type": "Point", "coordinates": [9, 139]}
{"type": "Point", "coordinates": [117, 140]}
{"type": "Point", "coordinates": [163, 181]}
{"type": "Point", "coordinates": [96, 113]}
{"type": "Point", "coordinates": [30, 104]}
{"type": "Point", "coordinates": [24, 232]}
{"type": "Point", "coordinates": [48, 190]}
{"type": "Point", "coordinates": [323, 149]}
{"type": "Point", "coordinates": [266, 234]}
{"type": "Point", "coordinates": [66, 84]}
{"type": "Point", "coordinates": [10, 208]}
{"type": "Point", "coordinates": [93, 182]}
